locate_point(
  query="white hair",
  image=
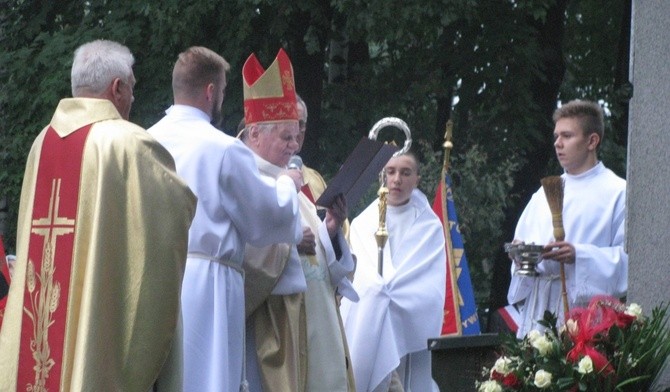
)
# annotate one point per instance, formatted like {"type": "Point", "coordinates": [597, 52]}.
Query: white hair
{"type": "Point", "coordinates": [300, 101]}
{"type": "Point", "coordinates": [96, 64]}
{"type": "Point", "coordinates": [266, 127]}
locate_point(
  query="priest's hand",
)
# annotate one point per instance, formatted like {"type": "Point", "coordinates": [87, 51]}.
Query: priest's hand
{"type": "Point", "coordinates": [336, 215]}
{"type": "Point", "coordinates": [561, 251]}
{"type": "Point", "coordinates": [308, 244]}
{"type": "Point", "coordinates": [296, 176]}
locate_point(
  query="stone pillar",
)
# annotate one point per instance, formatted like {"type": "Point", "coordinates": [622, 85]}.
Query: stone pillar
{"type": "Point", "coordinates": [648, 187]}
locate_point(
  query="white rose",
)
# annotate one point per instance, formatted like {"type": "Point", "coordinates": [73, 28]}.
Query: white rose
{"type": "Point", "coordinates": [585, 365]}
{"type": "Point", "coordinates": [542, 379]}
{"type": "Point", "coordinates": [502, 366]}
{"type": "Point", "coordinates": [634, 310]}
{"type": "Point", "coordinates": [490, 386]}
{"type": "Point", "coordinates": [533, 335]}
{"type": "Point", "coordinates": [543, 345]}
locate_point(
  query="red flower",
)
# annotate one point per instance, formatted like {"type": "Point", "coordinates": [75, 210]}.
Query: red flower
{"type": "Point", "coordinates": [497, 376]}
{"type": "Point", "coordinates": [511, 381]}
{"type": "Point", "coordinates": [593, 324]}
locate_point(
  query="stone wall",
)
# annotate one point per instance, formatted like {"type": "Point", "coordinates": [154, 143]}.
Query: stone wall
{"type": "Point", "coordinates": [648, 187]}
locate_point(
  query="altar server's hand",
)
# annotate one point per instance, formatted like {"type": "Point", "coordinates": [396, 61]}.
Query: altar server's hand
{"type": "Point", "coordinates": [561, 251]}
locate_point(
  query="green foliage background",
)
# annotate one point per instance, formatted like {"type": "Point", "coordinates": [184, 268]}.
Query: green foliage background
{"type": "Point", "coordinates": [496, 68]}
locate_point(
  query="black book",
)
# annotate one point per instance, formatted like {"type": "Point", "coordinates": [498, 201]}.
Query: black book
{"type": "Point", "coordinates": [359, 171]}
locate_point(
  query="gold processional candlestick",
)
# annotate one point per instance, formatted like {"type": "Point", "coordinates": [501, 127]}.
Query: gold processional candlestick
{"type": "Point", "coordinates": [381, 235]}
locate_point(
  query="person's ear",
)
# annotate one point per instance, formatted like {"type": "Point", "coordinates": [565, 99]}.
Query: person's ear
{"type": "Point", "coordinates": [116, 89]}
{"type": "Point", "coordinates": [209, 92]}
{"type": "Point", "coordinates": [254, 133]}
{"type": "Point", "coordinates": [594, 140]}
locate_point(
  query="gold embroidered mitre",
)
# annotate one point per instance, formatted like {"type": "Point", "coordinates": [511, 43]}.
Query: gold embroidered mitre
{"type": "Point", "coordinates": [269, 95]}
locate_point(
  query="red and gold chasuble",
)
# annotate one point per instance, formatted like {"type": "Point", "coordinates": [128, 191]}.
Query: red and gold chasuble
{"type": "Point", "coordinates": [308, 192]}
{"type": "Point", "coordinates": [50, 251]}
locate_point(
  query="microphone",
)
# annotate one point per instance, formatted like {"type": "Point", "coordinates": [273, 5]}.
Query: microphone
{"type": "Point", "coordinates": [295, 162]}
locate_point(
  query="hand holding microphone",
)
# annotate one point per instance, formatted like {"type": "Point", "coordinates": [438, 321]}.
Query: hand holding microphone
{"type": "Point", "coordinates": [294, 170]}
{"type": "Point", "coordinates": [295, 162]}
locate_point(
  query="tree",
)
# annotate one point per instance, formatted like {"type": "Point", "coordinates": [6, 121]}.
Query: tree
{"type": "Point", "coordinates": [496, 68]}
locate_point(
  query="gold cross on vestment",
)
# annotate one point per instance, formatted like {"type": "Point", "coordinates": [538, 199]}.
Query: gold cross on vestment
{"type": "Point", "coordinates": [44, 291]}
{"type": "Point", "coordinates": [53, 225]}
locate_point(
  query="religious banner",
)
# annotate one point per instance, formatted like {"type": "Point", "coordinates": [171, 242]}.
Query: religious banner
{"type": "Point", "coordinates": [460, 309]}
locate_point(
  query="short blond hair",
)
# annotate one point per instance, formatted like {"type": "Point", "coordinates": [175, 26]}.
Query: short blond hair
{"type": "Point", "coordinates": [196, 67]}
{"type": "Point", "coordinates": [589, 114]}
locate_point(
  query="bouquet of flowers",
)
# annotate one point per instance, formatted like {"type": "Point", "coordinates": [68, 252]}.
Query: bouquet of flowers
{"type": "Point", "coordinates": [606, 346]}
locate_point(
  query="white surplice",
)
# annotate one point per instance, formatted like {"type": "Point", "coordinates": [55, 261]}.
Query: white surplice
{"type": "Point", "coordinates": [396, 314]}
{"type": "Point", "coordinates": [325, 274]}
{"type": "Point", "coordinates": [593, 218]}
{"type": "Point", "coordinates": [235, 206]}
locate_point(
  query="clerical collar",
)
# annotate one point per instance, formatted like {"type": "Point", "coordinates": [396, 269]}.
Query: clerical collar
{"type": "Point", "coordinates": [186, 110]}
{"type": "Point", "coordinates": [599, 167]}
